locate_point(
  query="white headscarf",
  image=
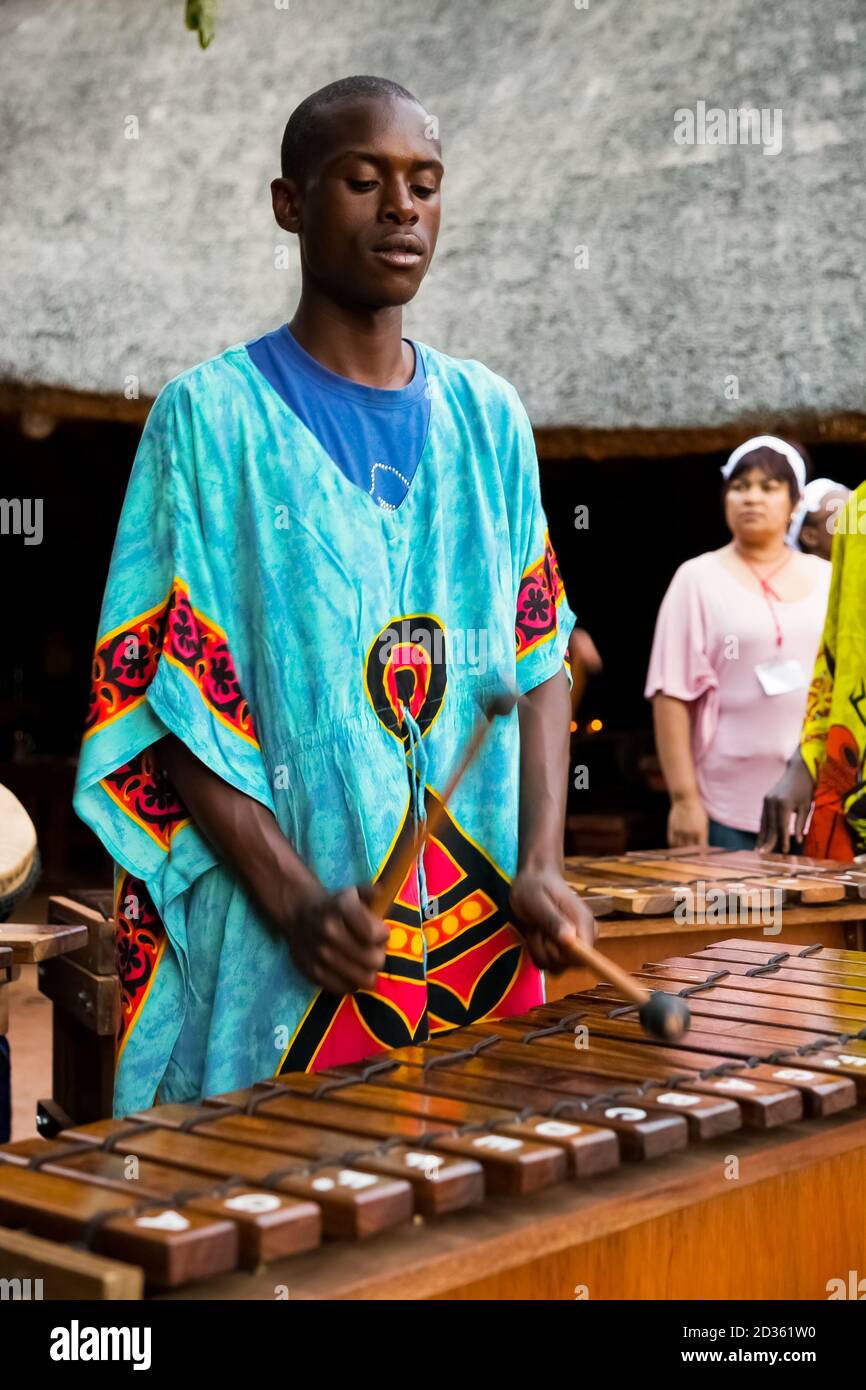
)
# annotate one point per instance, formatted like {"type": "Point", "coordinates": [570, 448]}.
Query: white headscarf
{"type": "Point", "coordinates": [813, 495]}
{"type": "Point", "coordinates": [779, 446]}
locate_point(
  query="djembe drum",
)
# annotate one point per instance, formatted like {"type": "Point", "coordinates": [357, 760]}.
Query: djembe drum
{"type": "Point", "coordinates": [19, 857]}
{"type": "Point", "coordinates": [19, 872]}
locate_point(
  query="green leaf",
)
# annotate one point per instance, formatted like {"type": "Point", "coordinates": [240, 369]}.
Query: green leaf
{"type": "Point", "coordinates": [201, 17]}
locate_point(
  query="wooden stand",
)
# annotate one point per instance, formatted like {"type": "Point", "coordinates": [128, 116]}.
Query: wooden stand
{"type": "Point", "coordinates": [84, 989]}
{"type": "Point", "coordinates": [74, 956]}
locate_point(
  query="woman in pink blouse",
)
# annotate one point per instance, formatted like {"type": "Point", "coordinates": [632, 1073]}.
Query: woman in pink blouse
{"type": "Point", "coordinates": [735, 643]}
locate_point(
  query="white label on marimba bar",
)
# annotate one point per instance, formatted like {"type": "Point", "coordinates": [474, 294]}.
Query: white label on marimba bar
{"type": "Point", "coordinates": [677, 1098]}
{"type": "Point", "coordinates": [556, 1129]}
{"type": "Point", "coordinates": [166, 1221]}
{"type": "Point", "coordinates": [734, 1083]}
{"type": "Point", "coordinates": [428, 1163]}
{"type": "Point", "coordinates": [254, 1202]}
{"type": "Point", "coordinates": [853, 1061]}
{"type": "Point", "coordinates": [793, 1074]}
{"type": "Point", "coordinates": [500, 1142]}
{"type": "Point", "coordinates": [348, 1177]}
{"type": "Point", "coordinates": [625, 1112]}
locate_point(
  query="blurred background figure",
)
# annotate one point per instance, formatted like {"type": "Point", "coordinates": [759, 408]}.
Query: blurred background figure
{"type": "Point", "coordinates": [19, 873]}
{"type": "Point", "coordinates": [584, 661]}
{"type": "Point", "coordinates": [814, 521]}
{"type": "Point", "coordinates": [825, 774]}
{"type": "Point", "coordinates": [735, 641]}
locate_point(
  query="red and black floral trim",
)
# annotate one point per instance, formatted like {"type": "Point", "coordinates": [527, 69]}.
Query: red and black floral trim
{"type": "Point", "coordinates": [139, 942]}
{"type": "Point", "coordinates": [201, 649]}
{"type": "Point", "coordinates": [126, 659]}
{"type": "Point", "coordinates": [540, 594]}
{"type": "Point", "coordinates": [124, 664]}
{"type": "Point", "coordinates": [145, 793]}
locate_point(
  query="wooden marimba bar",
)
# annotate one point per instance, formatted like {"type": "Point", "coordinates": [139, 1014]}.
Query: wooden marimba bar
{"type": "Point", "coordinates": [675, 901]}
{"type": "Point", "coordinates": [655, 882]}
{"type": "Point", "coordinates": [517, 1158]}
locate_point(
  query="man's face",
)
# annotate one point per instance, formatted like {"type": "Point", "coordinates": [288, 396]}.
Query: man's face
{"type": "Point", "coordinates": [368, 215]}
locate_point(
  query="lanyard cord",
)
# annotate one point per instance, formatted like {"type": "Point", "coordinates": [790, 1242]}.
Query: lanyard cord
{"type": "Point", "coordinates": [767, 590]}
{"type": "Point", "coordinates": [417, 759]}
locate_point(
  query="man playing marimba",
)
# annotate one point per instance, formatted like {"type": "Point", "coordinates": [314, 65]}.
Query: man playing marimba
{"type": "Point", "coordinates": [332, 555]}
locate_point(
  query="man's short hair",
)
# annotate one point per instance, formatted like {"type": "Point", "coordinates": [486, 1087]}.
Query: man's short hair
{"type": "Point", "coordinates": [299, 136]}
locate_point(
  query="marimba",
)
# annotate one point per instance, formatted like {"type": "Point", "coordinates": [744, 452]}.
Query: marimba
{"type": "Point", "coordinates": [557, 1155]}
{"type": "Point", "coordinates": [634, 897]}
{"type": "Point", "coordinates": [642, 901]}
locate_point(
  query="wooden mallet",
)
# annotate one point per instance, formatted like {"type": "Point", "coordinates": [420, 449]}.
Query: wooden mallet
{"type": "Point", "coordinates": [663, 1015]}
{"type": "Point", "coordinates": [387, 888]}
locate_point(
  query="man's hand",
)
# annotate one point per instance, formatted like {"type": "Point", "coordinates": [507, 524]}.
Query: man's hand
{"type": "Point", "coordinates": [688, 823]}
{"type": "Point", "coordinates": [792, 795]}
{"type": "Point", "coordinates": [549, 914]}
{"type": "Point", "coordinates": [335, 939]}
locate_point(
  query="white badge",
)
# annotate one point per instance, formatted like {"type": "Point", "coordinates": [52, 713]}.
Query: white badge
{"type": "Point", "coordinates": [781, 677]}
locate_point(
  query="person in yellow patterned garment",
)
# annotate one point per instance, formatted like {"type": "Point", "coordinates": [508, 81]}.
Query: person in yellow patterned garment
{"type": "Point", "coordinates": [827, 773]}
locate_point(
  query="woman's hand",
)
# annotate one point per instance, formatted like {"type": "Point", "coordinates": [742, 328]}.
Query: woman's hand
{"type": "Point", "coordinates": [549, 914]}
{"type": "Point", "coordinates": [792, 795]}
{"type": "Point", "coordinates": [335, 939]}
{"type": "Point", "coordinates": [688, 823]}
